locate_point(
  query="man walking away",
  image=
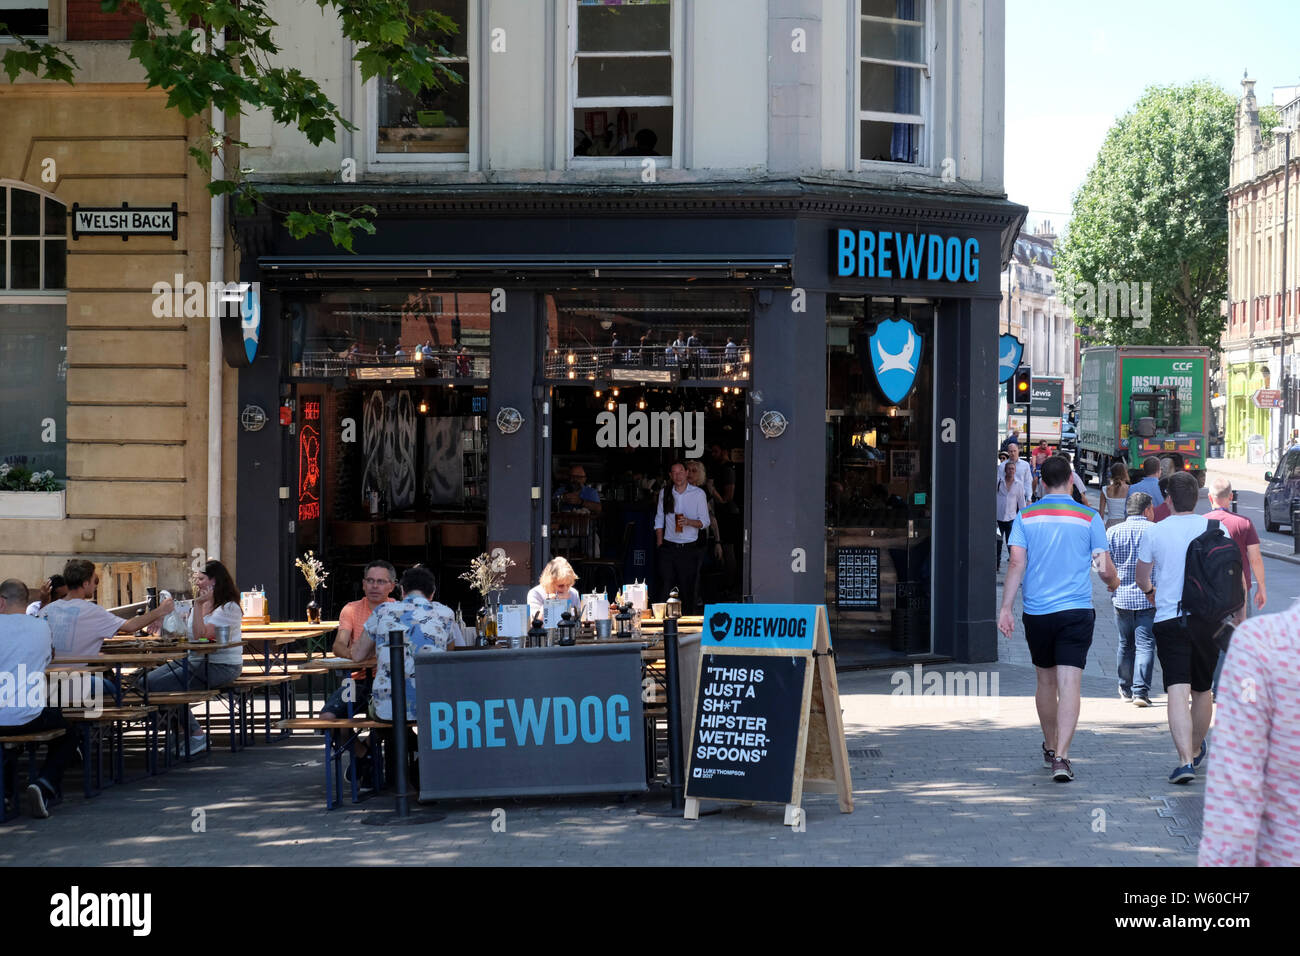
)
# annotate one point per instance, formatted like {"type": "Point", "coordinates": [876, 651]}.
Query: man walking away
{"type": "Point", "coordinates": [1134, 615]}
{"type": "Point", "coordinates": [1150, 482]}
{"type": "Point", "coordinates": [1252, 802]}
{"type": "Point", "coordinates": [1184, 644]}
{"type": "Point", "coordinates": [1053, 544]}
{"type": "Point", "coordinates": [1242, 531]}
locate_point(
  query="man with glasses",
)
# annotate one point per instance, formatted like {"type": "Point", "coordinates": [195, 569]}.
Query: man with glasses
{"type": "Point", "coordinates": [377, 582]}
{"type": "Point", "coordinates": [578, 497]}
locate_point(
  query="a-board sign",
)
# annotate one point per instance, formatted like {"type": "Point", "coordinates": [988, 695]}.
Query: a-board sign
{"type": "Point", "coordinates": [766, 722]}
{"type": "Point", "coordinates": [558, 720]}
{"type": "Point", "coordinates": [857, 579]}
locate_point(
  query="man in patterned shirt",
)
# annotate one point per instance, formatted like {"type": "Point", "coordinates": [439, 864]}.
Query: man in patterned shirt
{"type": "Point", "coordinates": [1252, 799]}
{"type": "Point", "coordinates": [1134, 615]}
{"type": "Point", "coordinates": [426, 623]}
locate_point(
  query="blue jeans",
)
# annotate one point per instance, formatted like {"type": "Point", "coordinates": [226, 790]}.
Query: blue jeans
{"type": "Point", "coordinates": [1135, 655]}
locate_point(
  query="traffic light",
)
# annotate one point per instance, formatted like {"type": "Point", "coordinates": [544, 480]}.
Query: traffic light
{"type": "Point", "coordinates": [1018, 386]}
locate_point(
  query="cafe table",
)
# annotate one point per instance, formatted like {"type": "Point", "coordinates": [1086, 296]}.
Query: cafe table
{"type": "Point", "coordinates": [132, 658]}
{"type": "Point", "coordinates": [275, 641]}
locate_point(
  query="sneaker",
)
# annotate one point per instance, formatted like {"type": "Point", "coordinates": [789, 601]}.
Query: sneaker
{"type": "Point", "coordinates": [1184, 774]}
{"type": "Point", "coordinates": [34, 801]}
{"type": "Point", "coordinates": [1061, 770]}
{"type": "Point", "coordinates": [1049, 757]}
{"type": "Point", "coordinates": [1200, 757]}
{"type": "Point", "coordinates": [198, 744]}
{"type": "Point", "coordinates": [1125, 695]}
{"type": "Point", "coordinates": [1141, 700]}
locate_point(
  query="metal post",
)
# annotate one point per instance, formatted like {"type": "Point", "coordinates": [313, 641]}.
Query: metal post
{"type": "Point", "coordinates": [1234, 500]}
{"type": "Point", "coordinates": [676, 774]}
{"type": "Point", "coordinates": [1281, 341]}
{"type": "Point", "coordinates": [1295, 528]}
{"type": "Point", "coordinates": [397, 675]}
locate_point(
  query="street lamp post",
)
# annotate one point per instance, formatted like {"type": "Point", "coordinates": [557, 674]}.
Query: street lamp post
{"type": "Point", "coordinates": [1286, 132]}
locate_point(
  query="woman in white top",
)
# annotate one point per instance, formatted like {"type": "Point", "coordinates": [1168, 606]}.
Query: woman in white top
{"type": "Point", "coordinates": [1115, 495]}
{"type": "Point", "coordinates": [215, 605]}
{"type": "Point", "coordinates": [557, 580]}
{"type": "Point", "coordinates": [1012, 496]}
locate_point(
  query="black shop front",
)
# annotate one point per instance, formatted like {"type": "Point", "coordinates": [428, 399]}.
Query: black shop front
{"type": "Point", "coordinates": [518, 369]}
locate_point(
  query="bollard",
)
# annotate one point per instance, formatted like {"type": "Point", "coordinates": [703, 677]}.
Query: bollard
{"type": "Point", "coordinates": [1234, 500]}
{"type": "Point", "coordinates": [1295, 527]}
{"type": "Point", "coordinates": [676, 774]}
{"type": "Point", "coordinates": [397, 674]}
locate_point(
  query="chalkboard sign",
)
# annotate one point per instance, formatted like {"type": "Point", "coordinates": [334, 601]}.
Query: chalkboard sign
{"type": "Point", "coordinates": [766, 721]}
{"type": "Point", "coordinates": [857, 578]}
{"type": "Point", "coordinates": [747, 727]}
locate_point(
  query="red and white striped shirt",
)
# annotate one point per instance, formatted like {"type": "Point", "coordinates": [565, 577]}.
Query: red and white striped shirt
{"type": "Point", "coordinates": [1252, 799]}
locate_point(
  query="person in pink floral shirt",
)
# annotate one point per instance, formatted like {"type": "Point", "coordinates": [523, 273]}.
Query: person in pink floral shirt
{"type": "Point", "coordinates": [1252, 799]}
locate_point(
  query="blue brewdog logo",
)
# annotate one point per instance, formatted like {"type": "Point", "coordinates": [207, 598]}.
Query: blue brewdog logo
{"type": "Point", "coordinates": [250, 320]}
{"type": "Point", "coordinates": [1010, 349]}
{"type": "Point", "coordinates": [895, 353]}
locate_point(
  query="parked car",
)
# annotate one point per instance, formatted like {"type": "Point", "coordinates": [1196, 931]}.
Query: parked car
{"type": "Point", "coordinates": [1283, 492]}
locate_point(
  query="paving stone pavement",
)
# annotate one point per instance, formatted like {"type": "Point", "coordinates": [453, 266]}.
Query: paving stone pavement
{"type": "Point", "coordinates": [959, 781]}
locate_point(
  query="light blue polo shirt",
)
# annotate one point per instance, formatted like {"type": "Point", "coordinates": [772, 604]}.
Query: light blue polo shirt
{"type": "Point", "coordinates": [1060, 536]}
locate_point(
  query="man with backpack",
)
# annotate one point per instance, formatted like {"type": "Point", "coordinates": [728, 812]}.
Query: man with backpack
{"type": "Point", "coordinates": [1189, 568]}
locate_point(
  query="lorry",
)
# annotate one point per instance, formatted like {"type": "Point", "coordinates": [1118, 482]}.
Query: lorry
{"type": "Point", "coordinates": [1141, 401]}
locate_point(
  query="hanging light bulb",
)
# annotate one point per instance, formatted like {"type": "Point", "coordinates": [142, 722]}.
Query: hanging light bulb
{"type": "Point", "coordinates": [572, 373]}
{"type": "Point", "coordinates": [424, 407]}
{"type": "Point", "coordinates": [614, 391]}
{"type": "Point", "coordinates": [597, 393]}
{"type": "Point", "coordinates": [641, 403]}
{"type": "Point", "coordinates": [571, 358]}
{"type": "Point", "coordinates": [717, 403]}
{"type": "Point", "coordinates": [609, 406]}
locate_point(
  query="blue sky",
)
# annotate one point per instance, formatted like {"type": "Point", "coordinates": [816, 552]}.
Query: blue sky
{"type": "Point", "coordinates": [1072, 68]}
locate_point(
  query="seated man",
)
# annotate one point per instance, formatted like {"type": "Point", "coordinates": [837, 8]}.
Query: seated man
{"type": "Point", "coordinates": [426, 623]}
{"type": "Point", "coordinates": [26, 648]}
{"type": "Point", "coordinates": [378, 581]}
{"type": "Point", "coordinates": [79, 626]}
{"type": "Point", "coordinates": [576, 495]}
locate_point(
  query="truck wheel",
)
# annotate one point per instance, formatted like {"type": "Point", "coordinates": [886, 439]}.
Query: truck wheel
{"type": "Point", "coordinates": [1200, 478]}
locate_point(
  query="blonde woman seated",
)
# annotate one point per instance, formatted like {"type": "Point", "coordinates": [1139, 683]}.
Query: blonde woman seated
{"type": "Point", "coordinates": [558, 578]}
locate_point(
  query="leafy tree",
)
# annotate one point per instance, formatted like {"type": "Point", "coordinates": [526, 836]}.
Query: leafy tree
{"type": "Point", "coordinates": [174, 44]}
{"type": "Point", "coordinates": [1152, 210]}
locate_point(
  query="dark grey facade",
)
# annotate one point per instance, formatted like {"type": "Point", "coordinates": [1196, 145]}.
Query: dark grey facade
{"type": "Point", "coordinates": [774, 239]}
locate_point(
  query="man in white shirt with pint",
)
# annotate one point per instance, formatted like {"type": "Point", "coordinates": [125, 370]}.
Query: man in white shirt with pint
{"type": "Point", "coordinates": [682, 514]}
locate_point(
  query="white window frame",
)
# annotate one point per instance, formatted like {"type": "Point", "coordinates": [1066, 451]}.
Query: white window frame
{"type": "Point", "coordinates": [29, 296]}
{"type": "Point", "coordinates": [377, 161]}
{"type": "Point", "coordinates": [574, 102]}
{"type": "Point", "coordinates": [54, 10]}
{"type": "Point", "coordinates": [924, 118]}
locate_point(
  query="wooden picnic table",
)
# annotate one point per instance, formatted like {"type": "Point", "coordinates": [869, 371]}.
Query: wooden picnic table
{"type": "Point", "coordinates": [275, 637]}
{"type": "Point", "coordinates": [323, 627]}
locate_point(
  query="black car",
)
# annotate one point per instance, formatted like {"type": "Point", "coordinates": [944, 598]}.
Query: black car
{"type": "Point", "coordinates": [1068, 437]}
{"type": "Point", "coordinates": [1283, 490]}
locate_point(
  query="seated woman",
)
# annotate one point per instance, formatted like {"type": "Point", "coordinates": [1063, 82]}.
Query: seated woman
{"type": "Point", "coordinates": [557, 580]}
{"type": "Point", "coordinates": [215, 605]}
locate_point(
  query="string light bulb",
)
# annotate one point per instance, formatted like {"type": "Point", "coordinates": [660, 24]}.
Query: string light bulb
{"type": "Point", "coordinates": [424, 407]}
{"type": "Point", "coordinates": [641, 403]}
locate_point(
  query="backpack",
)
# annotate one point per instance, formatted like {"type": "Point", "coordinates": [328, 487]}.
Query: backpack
{"type": "Point", "coordinates": [1212, 581]}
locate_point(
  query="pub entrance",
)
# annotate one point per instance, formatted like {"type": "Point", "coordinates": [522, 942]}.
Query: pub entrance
{"type": "Point", "coordinates": [879, 445]}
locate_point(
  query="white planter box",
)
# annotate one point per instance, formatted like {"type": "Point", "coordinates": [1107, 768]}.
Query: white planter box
{"type": "Point", "coordinates": [47, 505]}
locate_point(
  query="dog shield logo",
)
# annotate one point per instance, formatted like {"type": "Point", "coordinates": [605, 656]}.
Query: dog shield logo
{"type": "Point", "coordinates": [720, 625]}
{"type": "Point", "coordinates": [895, 352]}
{"type": "Point", "coordinates": [250, 321]}
{"type": "Point", "coordinates": [1010, 349]}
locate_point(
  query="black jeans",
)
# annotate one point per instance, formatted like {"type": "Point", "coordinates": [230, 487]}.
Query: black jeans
{"type": "Point", "coordinates": [679, 567]}
{"type": "Point", "coordinates": [58, 753]}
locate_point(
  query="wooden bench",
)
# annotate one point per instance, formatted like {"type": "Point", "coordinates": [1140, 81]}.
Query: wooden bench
{"type": "Point", "coordinates": [32, 742]}
{"type": "Point", "coordinates": [347, 731]}
{"type": "Point", "coordinates": [174, 706]}
{"type": "Point", "coordinates": [250, 682]}
{"type": "Point", "coordinates": [108, 725]}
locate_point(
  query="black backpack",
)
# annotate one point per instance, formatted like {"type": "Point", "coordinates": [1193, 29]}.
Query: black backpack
{"type": "Point", "coordinates": [1212, 582]}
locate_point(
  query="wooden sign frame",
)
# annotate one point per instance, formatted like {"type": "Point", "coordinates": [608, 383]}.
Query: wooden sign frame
{"type": "Point", "coordinates": [821, 754]}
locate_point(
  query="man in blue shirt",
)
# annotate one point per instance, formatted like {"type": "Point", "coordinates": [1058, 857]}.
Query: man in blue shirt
{"type": "Point", "coordinates": [1150, 483]}
{"type": "Point", "coordinates": [578, 496]}
{"type": "Point", "coordinates": [1053, 545]}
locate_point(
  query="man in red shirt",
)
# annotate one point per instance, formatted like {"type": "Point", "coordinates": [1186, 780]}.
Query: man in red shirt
{"type": "Point", "coordinates": [1243, 533]}
{"type": "Point", "coordinates": [377, 582]}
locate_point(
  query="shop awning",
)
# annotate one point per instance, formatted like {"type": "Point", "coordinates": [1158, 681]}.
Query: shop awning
{"type": "Point", "coordinates": [767, 269]}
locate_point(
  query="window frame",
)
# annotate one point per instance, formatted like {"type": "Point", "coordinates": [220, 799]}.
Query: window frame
{"type": "Point", "coordinates": [924, 118]}
{"type": "Point", "coordinates": [54, 15]}
{"type": "Point", "coordinates": [40, 293]}
{"type": "Point", "coordinates": [673, 101]}
{"type": "Point", "coordinates": [377, 161]}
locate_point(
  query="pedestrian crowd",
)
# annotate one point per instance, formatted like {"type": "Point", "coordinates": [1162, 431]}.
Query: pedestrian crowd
{"type": "Point", "coordinates": [1182, 587]}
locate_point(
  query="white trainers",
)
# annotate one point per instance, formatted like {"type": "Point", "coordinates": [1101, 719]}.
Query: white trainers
{"type": "Point", "coordinates": [198, 744]}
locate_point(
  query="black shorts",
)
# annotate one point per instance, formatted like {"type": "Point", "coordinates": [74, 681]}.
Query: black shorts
{"type": "Point", "coordinates": [1062, 637]}
{"type": "Point", "coordinates": [1187, 655]}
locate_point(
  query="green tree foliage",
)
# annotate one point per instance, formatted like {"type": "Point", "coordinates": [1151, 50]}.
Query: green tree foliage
{"type": "Point", "coordinates": [1152, 209]}
{"type": "Point", "coordinates": [174, 44]}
